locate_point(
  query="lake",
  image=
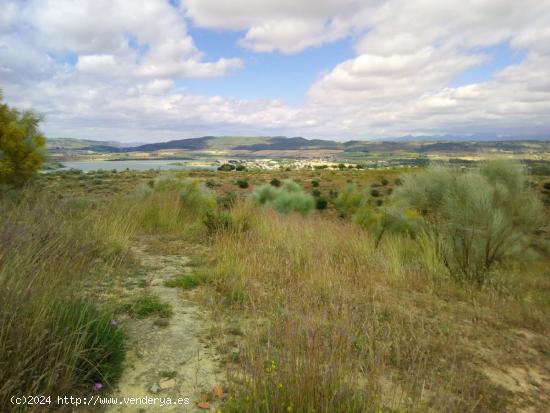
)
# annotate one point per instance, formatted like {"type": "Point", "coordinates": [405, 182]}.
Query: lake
{"type": "Point", "coordinates": [135, 165]}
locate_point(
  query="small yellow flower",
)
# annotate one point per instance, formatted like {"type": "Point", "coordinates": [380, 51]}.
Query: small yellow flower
{"type": "Point", "coordinates": [280, 385]}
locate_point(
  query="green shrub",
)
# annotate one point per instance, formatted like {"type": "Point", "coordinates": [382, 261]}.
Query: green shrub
{"type": "Point", "coordinates": [290, 197]}
{"type": "Point", "coordinates": [168, 200]}
{"type": "Point", "coordinates": [316, 193]}
{"type": "Point", "coordinates": [226, 167]}
{"type": "Point", "coordinates": [384, 181]}
{"type": "Point", "coordinates": [349, 200]}
{"type": "Point", "coordinates": [476, 218]}
{"type": "Point", "coordinates": [240, 167]}
{"type": "Point", "coordinates": [321, 203]}
{"type": "Point", "coordinates": [275, 182]}
{"type": "Point", "coordinates": [375, 192]}
{"type": "Point", "coordinates": [21, 145]}
{"type": "Point", "coordinates": [195, 197]}
{"type": "Point", "coordinates": [264, 194]}
{"type": "Point", "coordinates": [242, 183]}
{"type": "Point", "coordinates": [315, 183]}
{"type": "Point", "coordinates": [546, 186]}
{"type": "Point", "coordinates": [293, 201]}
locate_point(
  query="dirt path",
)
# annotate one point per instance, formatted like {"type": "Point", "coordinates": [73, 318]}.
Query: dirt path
{"type": "Point", "coordinates": [167, 361]}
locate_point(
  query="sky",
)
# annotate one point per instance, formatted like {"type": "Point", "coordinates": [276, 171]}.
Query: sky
{"type": "Point", "coordinates": [153, 70]}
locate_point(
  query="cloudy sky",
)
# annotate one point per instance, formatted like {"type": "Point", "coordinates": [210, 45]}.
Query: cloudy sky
{"type": "Point", "coordinates": [152, 70]}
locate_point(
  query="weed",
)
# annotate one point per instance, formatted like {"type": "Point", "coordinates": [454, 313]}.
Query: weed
{"type": "Point", "coordinates": [146, 305]}
{"type": "Point", "coordinates": [187, 281]}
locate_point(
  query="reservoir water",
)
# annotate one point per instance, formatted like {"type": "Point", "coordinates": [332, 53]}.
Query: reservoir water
{"type": "Point", "coordinates": [136, 165]}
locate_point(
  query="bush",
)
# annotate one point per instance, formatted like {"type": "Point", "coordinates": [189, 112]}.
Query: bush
{"type": "Point", "coordinates": [21, 145]}
{"type": "Point", "coordinates": [315, 183]}
{"type": "Point", "coordinates": [321, 203]}
{"type": "Point", "coordinates": [240, 167]}
{"type": "Point", "coordinates": [275, 182]}
{"type": "Point", "coordinates": [242, 183]}
{"type": "Point", "coordinates": [288, 198]}
{"type": "Point", "coordinates": [384, 181]}
{"type": "Point", "coordinates": [195, 197]}
{"type": "Point", "coordinates": [546, 186]}
{"type": "Point", "coordinates": [226, 167]}
{"type": "Point", "coordinates": [316, 193]}
{"type": "Point", "coordinates": [375, 192]}
{"type": "Point", "coordinates": [476, 218]}
{"type": "Point", "coordinates": [288, 201]}
{"type": "Point", "coordinates": [238, 219]}
{"type": "Point", "coordinates": [264, 194]}
{"type": "Point", "coordinates": [349, 200]}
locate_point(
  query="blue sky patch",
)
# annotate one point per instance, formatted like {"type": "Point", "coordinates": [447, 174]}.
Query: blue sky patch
{"type": "Point", "coordinates": [500, 55]}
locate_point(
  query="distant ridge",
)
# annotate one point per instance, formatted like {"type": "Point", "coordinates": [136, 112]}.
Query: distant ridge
{"type": "Point", "coordinates": [419, 144]}
{"type": "Point", "coordinates": [190, 143]}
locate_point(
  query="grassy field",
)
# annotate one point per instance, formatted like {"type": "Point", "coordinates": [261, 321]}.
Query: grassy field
{"type": "Point", "coordinates": [313, 312]}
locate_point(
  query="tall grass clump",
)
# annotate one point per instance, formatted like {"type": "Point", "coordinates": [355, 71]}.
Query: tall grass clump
{"type": "Point", "coordinates": [169, 203]}
{"type": "Point", "coordinates": [475, 219]}
{"type": "Point", "coordinates": [53, 339]}
{"type": "Point", "coordinates": [290, 197]}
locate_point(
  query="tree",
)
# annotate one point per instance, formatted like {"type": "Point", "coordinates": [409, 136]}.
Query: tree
{"type": "Point", "coordinates": [21, 145]}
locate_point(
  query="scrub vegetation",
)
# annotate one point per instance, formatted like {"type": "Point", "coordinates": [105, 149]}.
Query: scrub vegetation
{"type": "Point", "coordinates": [407, 290]}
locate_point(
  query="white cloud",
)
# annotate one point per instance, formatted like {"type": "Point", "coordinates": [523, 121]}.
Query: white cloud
{"type": "Point", "coordinates": [114, 37]}
{"type": "Point", "coordinates": [287, 26]}
{"type": "Point", "coordinates": [129, 55]}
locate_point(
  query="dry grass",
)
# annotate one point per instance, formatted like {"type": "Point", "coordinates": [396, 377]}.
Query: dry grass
{"type": "Point", "coordinates": [53, 253]}
{"type": "Point", "coordinates": [312, 317]}
{"type": "Point", "coordinates": [333, 325]}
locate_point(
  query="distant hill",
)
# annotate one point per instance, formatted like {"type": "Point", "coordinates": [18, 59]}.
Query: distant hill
{"type": "Point", "coordinates": [272, 145]}
{"type": "Point", "coordinates": [191, 144]}
{"type": "Point", "coordinates": [81, 144]}
{"type": "Point", "coordinates": [282, 143]}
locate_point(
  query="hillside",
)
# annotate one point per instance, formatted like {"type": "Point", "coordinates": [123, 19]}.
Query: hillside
{"type": "Point", "coordinates": [294, 148]}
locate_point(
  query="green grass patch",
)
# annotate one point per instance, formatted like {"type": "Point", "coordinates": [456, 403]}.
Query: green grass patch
{"type": "Point", "coordinates": [147, 305]}
{"type": "Point", "coordinates": [187, 281]}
